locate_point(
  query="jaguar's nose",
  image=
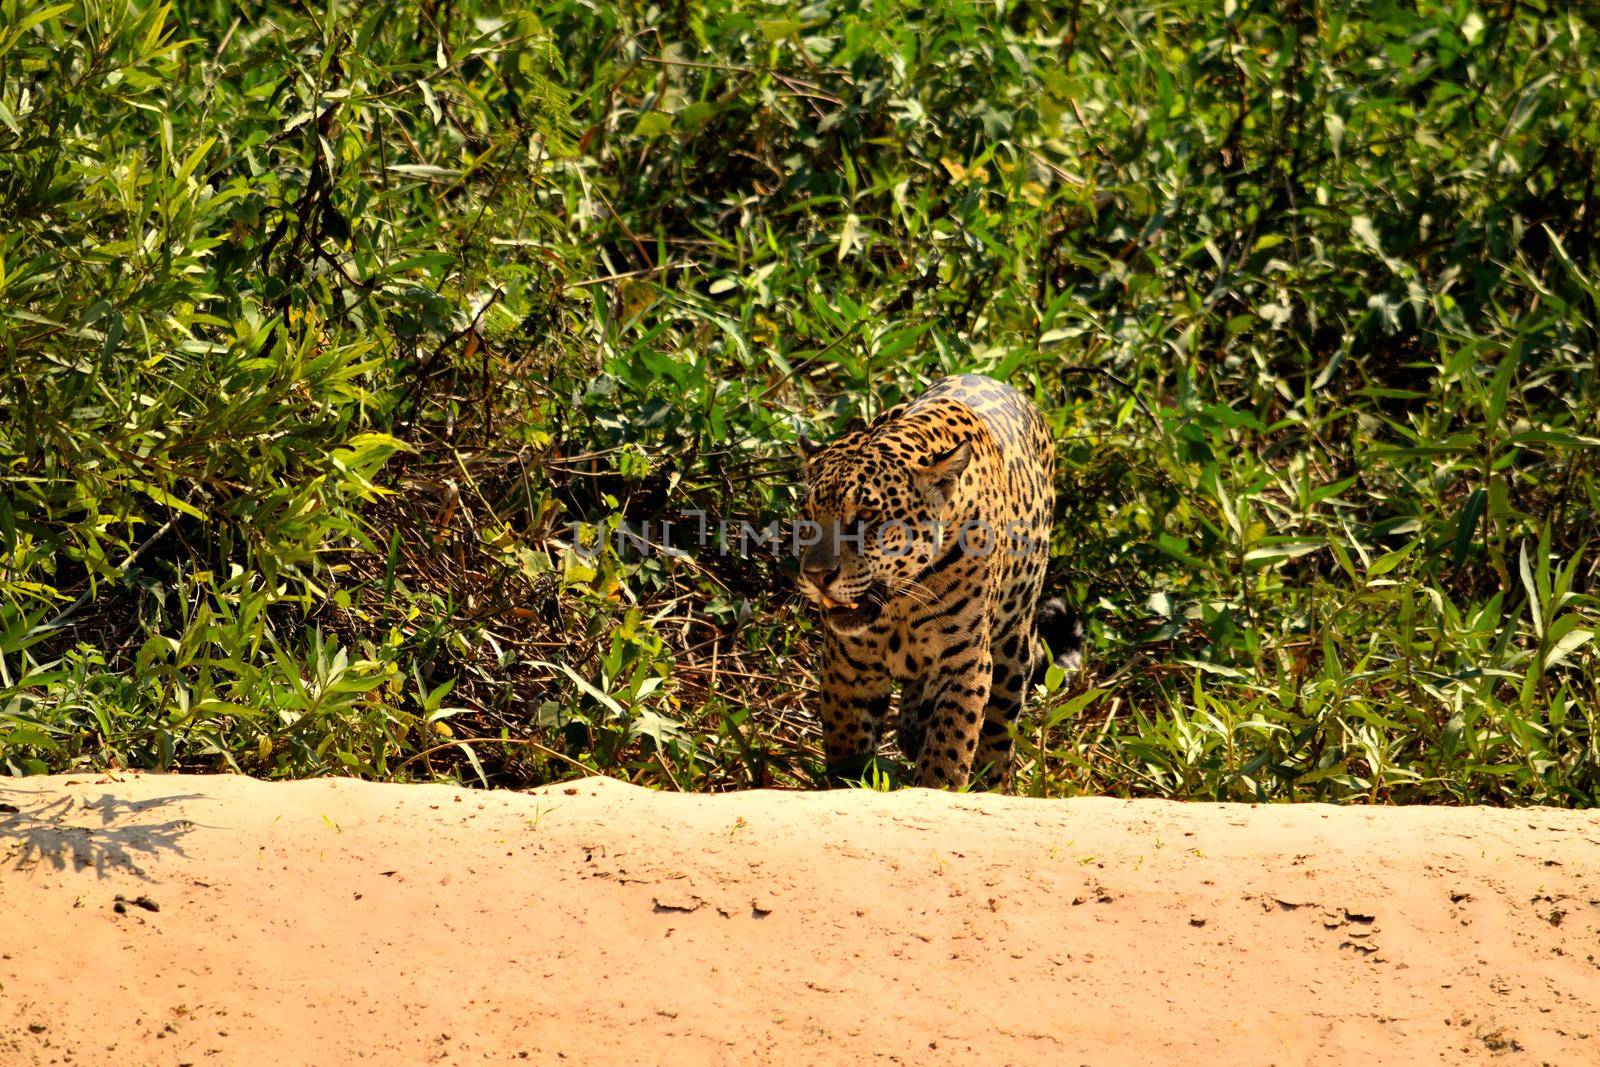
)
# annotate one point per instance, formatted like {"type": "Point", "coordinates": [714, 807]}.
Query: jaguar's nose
{"type": "Point", "coordinates": [820, 574]}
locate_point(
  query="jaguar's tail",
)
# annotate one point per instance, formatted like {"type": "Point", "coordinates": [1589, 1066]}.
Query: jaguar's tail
{"type": "Point", "coordinates": [1062, 630]}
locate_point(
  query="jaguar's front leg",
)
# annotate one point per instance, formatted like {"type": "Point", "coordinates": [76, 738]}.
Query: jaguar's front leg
{"type": "Point", "coordinates": [955, 722]}
{"type": "Point", "coordinates": [916, 710]}
{"type": "Point", "coordinates": [855, 702]}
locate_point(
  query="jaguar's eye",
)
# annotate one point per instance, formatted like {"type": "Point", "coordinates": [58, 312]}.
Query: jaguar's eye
{"type": "Point", "coordinates": [866, 514]}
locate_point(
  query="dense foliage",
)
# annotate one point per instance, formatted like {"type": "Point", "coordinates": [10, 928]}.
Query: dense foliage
{"type": "Point", "coordinates": [320, 327]}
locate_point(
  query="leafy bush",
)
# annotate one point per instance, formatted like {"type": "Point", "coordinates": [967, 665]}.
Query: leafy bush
{"type": "Point", "coordinates": [321, 329]}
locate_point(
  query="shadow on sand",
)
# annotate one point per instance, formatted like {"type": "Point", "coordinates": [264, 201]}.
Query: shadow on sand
{"type": "Point", "coordinates": [108, 835]}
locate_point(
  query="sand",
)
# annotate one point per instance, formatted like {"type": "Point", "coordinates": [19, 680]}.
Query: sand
{"type": "Point", "coordinates": [334, 921]}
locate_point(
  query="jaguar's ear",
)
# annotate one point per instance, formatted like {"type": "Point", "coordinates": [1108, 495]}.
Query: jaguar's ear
{"type": "Point", "coordinates": [809, 449]}
{"type": "Point", "coordinates": [944, 468]}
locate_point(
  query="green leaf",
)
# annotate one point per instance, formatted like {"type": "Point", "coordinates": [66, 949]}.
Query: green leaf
{"type": "Point", "coordinates": [166, 499]}
{"type": "Point", "coordinates": [1270, 555]}
{"type": "Point", "coordinates": [1566, 637]}
{"type": "Point", "coordinates": [1535, 608]}
{"type": "Point", "coordinates": [18, 736]}
{"type": "Point", "coordinates": [1366, 233]}
{"type": "Point", "coordinates": [1390, 560]}
{"type": "Point", "coordinates": [653, 124]}
{"type": "Point", "coordinates": [775, 30]}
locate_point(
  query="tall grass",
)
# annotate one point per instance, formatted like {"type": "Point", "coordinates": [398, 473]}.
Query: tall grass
{"type": "Point", "coordinates": [319, 328]}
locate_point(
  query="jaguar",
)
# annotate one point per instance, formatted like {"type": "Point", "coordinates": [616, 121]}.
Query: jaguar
{"type": "Point", "coordinates": [923, 541]}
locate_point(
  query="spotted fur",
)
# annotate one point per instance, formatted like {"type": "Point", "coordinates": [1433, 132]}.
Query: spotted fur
{"type": "Point", "coordinates": [934, 521]}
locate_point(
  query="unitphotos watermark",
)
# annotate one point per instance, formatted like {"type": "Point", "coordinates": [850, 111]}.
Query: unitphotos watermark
{"type": "Point", "coordinates": [694, 533]}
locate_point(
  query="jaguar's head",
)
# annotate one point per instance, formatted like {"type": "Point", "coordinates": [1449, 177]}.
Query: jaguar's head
{"type": "Point", "coordinates": [878, 512]}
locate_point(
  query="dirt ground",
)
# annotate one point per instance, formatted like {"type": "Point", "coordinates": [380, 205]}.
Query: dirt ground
{"type": "Point", "coordinates": [331, 921]}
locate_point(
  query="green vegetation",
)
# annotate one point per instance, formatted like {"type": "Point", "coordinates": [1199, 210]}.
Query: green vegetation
{"type": "Point", "coordinates": [319, 326]}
